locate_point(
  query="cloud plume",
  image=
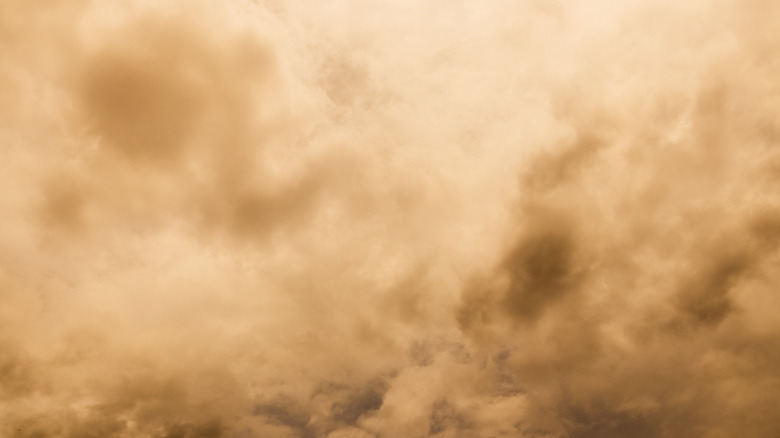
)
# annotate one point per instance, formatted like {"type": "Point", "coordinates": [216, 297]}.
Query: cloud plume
{"type": "Point", "coordinates": [341, 219]}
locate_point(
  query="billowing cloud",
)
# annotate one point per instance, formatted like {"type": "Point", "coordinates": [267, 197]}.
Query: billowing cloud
{"type": "Point", "coordinates": [389, 219]}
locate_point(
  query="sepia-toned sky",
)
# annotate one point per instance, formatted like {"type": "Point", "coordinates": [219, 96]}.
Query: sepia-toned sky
{"type": "Point", "coordinates": [389, 218]}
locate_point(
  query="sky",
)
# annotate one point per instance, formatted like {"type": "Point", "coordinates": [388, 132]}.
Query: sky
{"type": "Point", "coordinates": [389, 218]}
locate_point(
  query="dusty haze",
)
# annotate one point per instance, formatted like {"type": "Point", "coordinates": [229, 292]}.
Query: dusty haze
{"type": "Point", "coordinates": [389, 218]}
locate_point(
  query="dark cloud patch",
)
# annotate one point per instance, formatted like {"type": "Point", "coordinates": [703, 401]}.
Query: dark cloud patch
{"type": "Point", "coordinates": [508, 382]}
{"type": "Point", "coordinates": [143, 91]}
{"type": "Point", "coordinates": [183, 110]}
{"type": "Point", "coordinates": [286, 412]}
{"type": "Point", "coordinates": [446, 420]}
{"type": "Point", "coordinates": [599, 420]}
{"type": "Point", "coordinates": [142, 110]}
{"type": "Point", "coordinates": [541, 269]}
{"type": "Point", "coordinates": [159, 85]}
{"type": "Point", "coordinates": [360, 402]}
{"type": "Point", "coordinates": [476, 307]}
{"type": "Point", "coordinates": [422, 353]}
{"type": "Point", "coordinates": [705, 298]}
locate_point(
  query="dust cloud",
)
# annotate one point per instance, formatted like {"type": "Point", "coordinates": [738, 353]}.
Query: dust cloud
{"type": "Point", "coordinates": [389, 219]}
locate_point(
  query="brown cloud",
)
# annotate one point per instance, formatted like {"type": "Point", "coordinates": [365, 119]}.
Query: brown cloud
{"type": "Point", "coordinates": [281, 219]}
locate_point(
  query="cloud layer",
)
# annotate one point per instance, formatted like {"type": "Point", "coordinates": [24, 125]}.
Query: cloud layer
{"type": "Point", "coordinates": [389, 219]}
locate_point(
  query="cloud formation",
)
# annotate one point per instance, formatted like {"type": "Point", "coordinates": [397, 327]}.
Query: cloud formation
{"type": "Point", "coordinates": [389, 219]}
